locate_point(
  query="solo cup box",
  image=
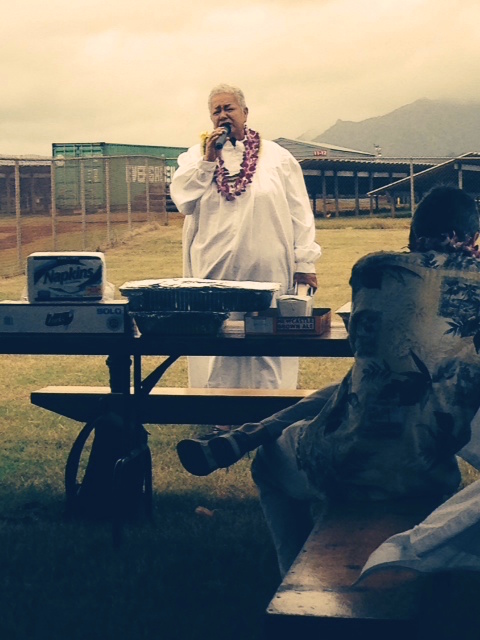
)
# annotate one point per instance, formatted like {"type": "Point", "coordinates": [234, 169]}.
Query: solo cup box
{"type": "Point", "coordinates": [17, 316]}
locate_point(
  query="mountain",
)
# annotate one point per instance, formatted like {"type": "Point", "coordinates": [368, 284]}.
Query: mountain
{"type": "Point", "coordinates": [428, 128]}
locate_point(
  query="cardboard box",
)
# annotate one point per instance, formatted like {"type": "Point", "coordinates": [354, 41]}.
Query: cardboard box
{"type": "Point", "coordinates": [24, 317]}
{"type": "Point", "coordinates": [70, 275]}
{"type": "Point", "coordinates": [270, 323]}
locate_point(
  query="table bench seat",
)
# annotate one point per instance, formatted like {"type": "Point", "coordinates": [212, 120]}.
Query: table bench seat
{"type": "Point", "coordinates": [318, 598]}
{"type": "Point", "coordinates": [172, 405]}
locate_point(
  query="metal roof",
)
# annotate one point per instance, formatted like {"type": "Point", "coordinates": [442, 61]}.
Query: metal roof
{"type": "Point", "coordinates": [287, 142]}
{"type": "Point", "coordinates": [446, 172]}
{"type": "Point", "coordinates": [315, 166]}
{"type": "Point", "coordinates": [26, 160]}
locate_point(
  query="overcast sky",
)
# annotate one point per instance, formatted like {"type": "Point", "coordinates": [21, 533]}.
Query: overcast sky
{"type": "Point", "coordinates": [139, 71]}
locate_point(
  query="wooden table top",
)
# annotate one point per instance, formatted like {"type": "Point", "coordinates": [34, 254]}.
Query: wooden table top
{"type": "Point", "coordinates": [232, 341]}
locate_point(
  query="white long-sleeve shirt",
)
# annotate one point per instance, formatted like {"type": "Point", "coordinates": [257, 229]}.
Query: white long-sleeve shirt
{"type": "Point", "coordinates": [266, 235]}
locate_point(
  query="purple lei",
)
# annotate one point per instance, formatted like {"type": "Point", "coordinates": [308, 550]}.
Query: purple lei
{"type": "Point", "coordinates": [247, 168]}
{"type": "Point", "coordinates": [446, 244]}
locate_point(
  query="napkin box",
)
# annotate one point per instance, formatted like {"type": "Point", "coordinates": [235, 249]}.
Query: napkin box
{"type": "Point", "coordinates": [71, 275]}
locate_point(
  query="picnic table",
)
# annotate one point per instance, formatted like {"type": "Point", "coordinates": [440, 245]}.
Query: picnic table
{"type": "Point", "coordinates": [316, 596]}
{"type": "Point", "coordinates": [171, 405]}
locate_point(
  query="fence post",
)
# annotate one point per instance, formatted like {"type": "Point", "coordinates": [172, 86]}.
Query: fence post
{"type": "Point", "coordinates": [370, 188]}
{"type": "Point", "coordinates": [18, 214]}
{"type": "Point", "coordinates": [9, 193]}
{"type": "Point", "coordinates": [83, 203]}
{"type": "Point", "coordinates": [412, 188]}
{"type": "Point", "coordinates": [335, 188]}
{"type": "Point", "coordinates": [53, 203]}
{"type": "Point", "coordinates": [107, 197]}
{"type": "Point", "coordinates": [357, 194]}
{"type": "Point", "coordinates": [147, 188]}
{"type": "Point", "coordinates": [163, 187]}
{"type": "Point", "coordinates": [128, 174]}
{"type": "Point", "coordinates": [324, 193]}
{"type": "Point", "coordinates": [392, 204]}
{"type": "Point", "coordinates": [32, 192]}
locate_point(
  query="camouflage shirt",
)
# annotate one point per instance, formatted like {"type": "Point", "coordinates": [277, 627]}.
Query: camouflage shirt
{"type": "Point", "coordinates": [404, 409]}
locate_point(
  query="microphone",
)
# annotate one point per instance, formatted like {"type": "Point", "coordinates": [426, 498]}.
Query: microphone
{"type": "Point", "coordinates": [223, 138]}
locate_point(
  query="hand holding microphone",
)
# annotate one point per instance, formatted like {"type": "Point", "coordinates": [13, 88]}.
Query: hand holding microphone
{"type": "Point", "coordinates": [216, 141]}
{"type": "Point", "coordinates": [221, 140]}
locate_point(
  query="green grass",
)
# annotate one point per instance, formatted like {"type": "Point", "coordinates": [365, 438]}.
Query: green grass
{"type": "Point", "coordinates": [187, 577]}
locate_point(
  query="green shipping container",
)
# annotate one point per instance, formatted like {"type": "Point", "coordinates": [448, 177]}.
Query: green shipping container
{"type": "Point", "coordinates": [127, 175]}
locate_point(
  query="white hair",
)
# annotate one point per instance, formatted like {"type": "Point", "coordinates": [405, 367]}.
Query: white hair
{"type": "Point", "coordinates": [227, 88]}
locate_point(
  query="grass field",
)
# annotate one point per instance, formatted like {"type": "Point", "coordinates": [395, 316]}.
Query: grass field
{"type": "Point", "coordinates": [187, 577]}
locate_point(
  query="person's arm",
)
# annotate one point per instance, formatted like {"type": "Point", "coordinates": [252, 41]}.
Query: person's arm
{"type": "Point", "coordinates": [190, 181]}
{"type": "Point", "coordinates": [195, 172]}
{"type": "Point", "coordinates": [306, 249]}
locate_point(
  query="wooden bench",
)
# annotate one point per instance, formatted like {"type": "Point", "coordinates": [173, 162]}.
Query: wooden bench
{"type": "Point", "coordinates": [318, 597]}
{"type": "Point", "coordinates": [170, 405]}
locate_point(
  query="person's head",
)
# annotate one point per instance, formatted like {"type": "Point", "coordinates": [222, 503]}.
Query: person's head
{"type": "Point", "coordinates": [444, 213]}
{"type": "Point", "coordinates": [226, 104]}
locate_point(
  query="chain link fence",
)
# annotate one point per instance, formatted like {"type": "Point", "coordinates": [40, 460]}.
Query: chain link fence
{"type": "Point", "coordinates": [77, 204]}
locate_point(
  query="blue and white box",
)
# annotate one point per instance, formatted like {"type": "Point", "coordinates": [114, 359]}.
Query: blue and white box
{"type": "Point", "coordinates": [78, 276]}
{"type": "Point", "coordinates": [17, 316]}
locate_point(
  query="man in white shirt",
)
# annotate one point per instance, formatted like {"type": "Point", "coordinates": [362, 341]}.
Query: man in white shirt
{"type": "Point", "coordinates": [247, 217]}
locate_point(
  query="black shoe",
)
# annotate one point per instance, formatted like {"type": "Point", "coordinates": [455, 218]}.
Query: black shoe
{"type": "Point", "coordinates": [203, 455]}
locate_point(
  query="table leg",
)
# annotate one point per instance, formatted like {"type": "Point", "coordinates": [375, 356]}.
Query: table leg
{"type": "Point", "coordinates": [119, 370]}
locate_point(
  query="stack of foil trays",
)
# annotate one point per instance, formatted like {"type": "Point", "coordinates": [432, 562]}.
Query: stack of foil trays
{"type": "Point", "coordinates": [192, 305]}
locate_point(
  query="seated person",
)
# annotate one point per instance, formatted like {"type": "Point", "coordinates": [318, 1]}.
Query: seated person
{"type": "Point", "coordinates": [392, 427]}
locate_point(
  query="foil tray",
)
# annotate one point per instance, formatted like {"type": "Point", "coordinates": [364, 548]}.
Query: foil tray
{"type": "Point", "coordinates": [193, 294]}
{"type": "Point", "coordinates": [196, 323]}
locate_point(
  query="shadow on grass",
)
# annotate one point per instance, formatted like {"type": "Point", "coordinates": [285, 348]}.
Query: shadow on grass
{"type": "Point", "coordinates": [186, 577]}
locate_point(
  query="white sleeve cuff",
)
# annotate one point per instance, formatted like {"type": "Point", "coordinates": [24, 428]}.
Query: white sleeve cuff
{"type": "Point", "coordinates": [305, 267]}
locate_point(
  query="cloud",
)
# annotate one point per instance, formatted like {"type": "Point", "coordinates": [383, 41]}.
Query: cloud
{"type": "Point", "coordinates": [140, 72]}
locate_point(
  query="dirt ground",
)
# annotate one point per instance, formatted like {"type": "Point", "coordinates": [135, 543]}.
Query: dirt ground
{"type": "Point", "coordinates": [31, 233]}
{"type": "Point", "coordinates": [35, 233]}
